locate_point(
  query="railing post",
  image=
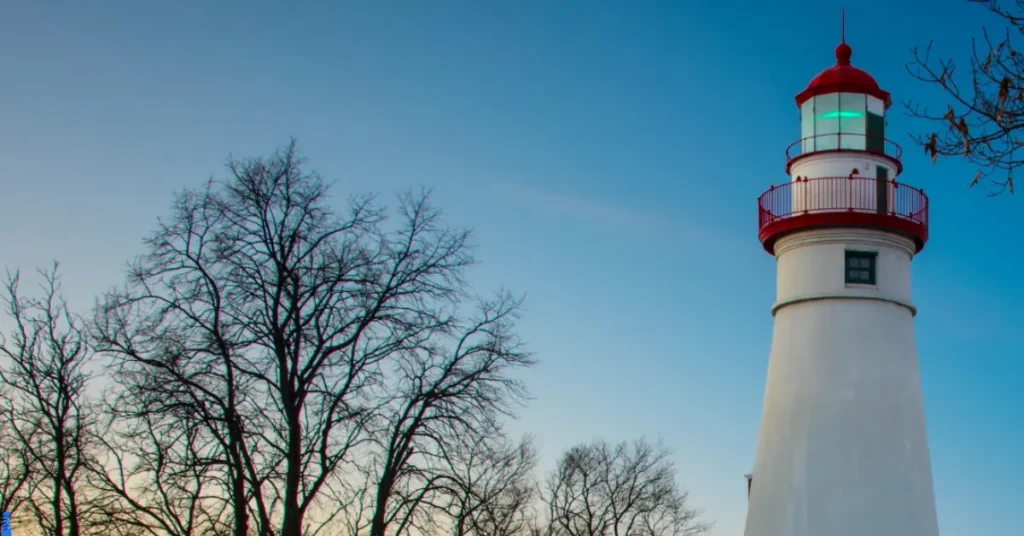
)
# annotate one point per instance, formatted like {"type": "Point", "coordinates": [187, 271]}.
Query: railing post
{"type": "Point", "coordinates": [895, 197]}
{"type": "Point", "coordinates": [849, 193]}
{"type": "Point", "coordinates": [806, 197]}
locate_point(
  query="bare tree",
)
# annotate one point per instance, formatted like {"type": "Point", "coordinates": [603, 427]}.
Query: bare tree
{"type": "Point", "coordinates": [623, 490]}
{"type": "Point", "coordinates": [150, 478]}
{"type": "Point", "coordinates": [984, 115]}
{"type": "Point", "coordinates": [445, 396]}
{"type": "Point", "coordinates": [273, 323]}
{"type": "Point", "coordinates": [16, 467]}
{"type": "Point", "coordinates": [493, 491]}
{"type": "Point", "coordinates": [44, 371]}
{"type": "Point", "coordinates": [172, 343]}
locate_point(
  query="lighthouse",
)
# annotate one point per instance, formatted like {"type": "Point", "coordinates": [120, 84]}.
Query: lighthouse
{"type": "Point", "coordinates": [842, 449]}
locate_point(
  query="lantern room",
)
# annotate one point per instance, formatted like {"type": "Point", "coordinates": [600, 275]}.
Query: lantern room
{"type": "Point", "coordinates": [842, 108]}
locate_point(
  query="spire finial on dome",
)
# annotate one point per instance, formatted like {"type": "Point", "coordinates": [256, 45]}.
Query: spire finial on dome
{"type": "Point", "coordinates": [843, 51]}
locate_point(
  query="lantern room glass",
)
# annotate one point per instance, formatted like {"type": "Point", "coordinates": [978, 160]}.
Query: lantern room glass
{"type": "Point", "coordinates": [834, 121]}
{"type": "Point", "coordinates": [826, 122]}
{"type": "Point", "coordinates": [852, 121]}
{"type": "Point", "coordinates": [807, 126]}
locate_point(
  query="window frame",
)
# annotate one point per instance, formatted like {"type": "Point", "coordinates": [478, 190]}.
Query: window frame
{"type": "Point", "coordinates": [872, 269]}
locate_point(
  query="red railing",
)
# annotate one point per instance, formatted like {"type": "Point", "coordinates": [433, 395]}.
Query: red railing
{"type": "Point", "coordinates": [843, 195]}
{"type": "Point", "coordinates": [843, 141]}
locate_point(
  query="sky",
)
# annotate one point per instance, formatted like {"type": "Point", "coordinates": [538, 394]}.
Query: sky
{"type": "Point", "coordinates": [607, 155]}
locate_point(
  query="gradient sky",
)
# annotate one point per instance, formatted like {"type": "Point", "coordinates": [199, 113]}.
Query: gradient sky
{"type": "Point", "coordinates": [607, 154]}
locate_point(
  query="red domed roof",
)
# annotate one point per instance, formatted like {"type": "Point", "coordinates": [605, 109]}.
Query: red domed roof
{"type": "Point", "coordinates": [843, 77]}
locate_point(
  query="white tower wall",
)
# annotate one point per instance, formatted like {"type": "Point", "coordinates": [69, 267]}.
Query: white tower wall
{"type": "Point", "coordinates": [842, 449]}
{"type": "Point", "coordinates": [840, 164]}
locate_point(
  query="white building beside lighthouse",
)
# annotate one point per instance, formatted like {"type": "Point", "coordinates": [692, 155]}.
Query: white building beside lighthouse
{"type": "Point", "coordinates": [842, 448]}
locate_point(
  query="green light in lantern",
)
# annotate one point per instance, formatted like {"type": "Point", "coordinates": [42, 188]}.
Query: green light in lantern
{"type": "Point", "coordinates": [840, 113]}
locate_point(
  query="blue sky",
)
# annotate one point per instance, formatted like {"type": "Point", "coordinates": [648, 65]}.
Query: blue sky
{"type": "Point", "coordinates": [607, 154]}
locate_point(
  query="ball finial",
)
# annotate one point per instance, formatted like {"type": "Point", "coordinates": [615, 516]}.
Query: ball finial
{"type": "Point", "coordinates": [843, 53]}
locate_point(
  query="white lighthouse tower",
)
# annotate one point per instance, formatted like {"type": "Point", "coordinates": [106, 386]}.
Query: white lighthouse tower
{"type": "Point", "coordinates": [842, 449]}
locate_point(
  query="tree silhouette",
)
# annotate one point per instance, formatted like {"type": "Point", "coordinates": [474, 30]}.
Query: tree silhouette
{"type": "Point", "coordinates": [291, 341]}
{"type": "Point", "coordinates": [44, 373]}
{"type": "Point", "coordinates": [984, 115]}
{"type": "Point", "coordinates": [626, 489]}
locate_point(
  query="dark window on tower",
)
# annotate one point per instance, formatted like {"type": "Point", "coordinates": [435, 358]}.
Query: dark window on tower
{"type": "Point", "coordinates": [860, 267]}
{"type": "Point", "coordinates": [876, 133]}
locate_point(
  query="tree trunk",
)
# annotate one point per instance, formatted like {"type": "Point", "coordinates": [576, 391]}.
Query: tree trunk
{"type": "Point", "coordinates": [58, 484]}
{"type": "Point", "coordinates": [238, 499]}
{"type": "Point", "coordinates": [292, 523]}
{"type": "Point", "coordinates": [379, 522]}
{"type": "Point", "coordinates": [74, 528]}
